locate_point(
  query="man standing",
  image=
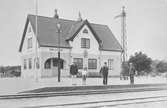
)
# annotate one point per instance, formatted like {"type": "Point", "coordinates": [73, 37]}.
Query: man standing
{"type": "Point", "coordinates": [104, 72]}
{"type": "Point", "coordinates": [131, 73]}
{"type": "Point", "coordinates": [73, 71]}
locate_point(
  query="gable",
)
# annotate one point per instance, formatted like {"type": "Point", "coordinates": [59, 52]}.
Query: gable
{"type": "Point", "coordinates": [88, 35]}
{"type": "Point", "coordinates": [85, 22]}
{"type": "Point", "coordinates": [28, 40]}
{"type": "Point", "coordinates": [23, 36]}
{"type": "Point", "coordinates": [103, 35]}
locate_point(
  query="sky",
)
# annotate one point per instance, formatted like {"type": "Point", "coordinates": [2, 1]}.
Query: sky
{"type": "Point", "coordinates": [146, 22]}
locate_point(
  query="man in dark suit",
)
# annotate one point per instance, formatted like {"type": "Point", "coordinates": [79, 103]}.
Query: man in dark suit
{"type": "Point", "coordinates": [131, 73]}
{"type": "Point", "coordinates": [73, 72]}
{"type": "Point", "coordinates": [73, 69]}
{"type": "Point", "coordinates": [104, 72]}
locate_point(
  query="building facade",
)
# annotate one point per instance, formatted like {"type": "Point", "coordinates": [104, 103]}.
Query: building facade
{"type": "Point", "coordinates": [87, 44]}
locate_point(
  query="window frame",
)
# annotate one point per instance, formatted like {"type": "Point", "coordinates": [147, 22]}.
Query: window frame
{"type": "Point", "coordinates": [24, 64]}
{"type": "Point", "coordinates": [29, 30]}
{"type": "Point", "coordinates": [85, 31]}
{"type": "Point", "coordinates": [94, 66]}
{"type": "Point", "coordinates": [79, 65]}
{"type": "Point", "coordinates": [37, 63]}
{"type": "Point", "coordinates": [29, 43]}
{"type": "Point", "coordinates": [110, 64]}
{"type": "Point", "coordinates": [85, 43]}
{"type": "Point", "coordinates": [30, 63]}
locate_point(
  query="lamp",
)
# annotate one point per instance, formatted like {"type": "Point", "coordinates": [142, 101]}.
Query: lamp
{"type": "Point", "coordinates": [58, 28]}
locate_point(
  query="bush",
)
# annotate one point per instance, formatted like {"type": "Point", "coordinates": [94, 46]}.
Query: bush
{"type": "Point", "coordinates": [164, 74]}
{"type": "Point", "coordinates": [153, 74]}
{"type": "Point", "coordinates": [161, 67]}
{"type": "Point", "coordinates": [141, 62]}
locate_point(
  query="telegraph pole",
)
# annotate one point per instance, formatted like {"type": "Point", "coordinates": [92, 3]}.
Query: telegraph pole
{"type": "Point", "coordinates": [123, 35]}
{"type": "Point", "coordinates": [36, 33]}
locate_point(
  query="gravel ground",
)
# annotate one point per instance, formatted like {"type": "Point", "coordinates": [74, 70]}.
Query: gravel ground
{"type": "Point", "coordinates": [57, 102]}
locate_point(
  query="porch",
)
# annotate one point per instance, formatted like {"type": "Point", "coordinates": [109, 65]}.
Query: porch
{"type": "Point", "coordinates": [50, 67]}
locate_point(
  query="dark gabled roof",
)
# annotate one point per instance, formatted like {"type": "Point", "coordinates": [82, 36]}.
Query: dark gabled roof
{"type": "Point", "coordinates": [109, 42]}
{"type": "Point", "coordinates": [48, 35]}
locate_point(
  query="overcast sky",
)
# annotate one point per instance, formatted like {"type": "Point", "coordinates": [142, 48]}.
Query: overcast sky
{"type": "Point", "coordinates": [146, 22]}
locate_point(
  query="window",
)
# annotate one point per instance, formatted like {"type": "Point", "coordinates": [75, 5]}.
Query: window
{"type": "Point", "coordinates": [29, 29]}
{"type": "Point", "coordinates": [25, 64]}
{"type": "Point", "coordinates": [37, 63]}
{"type": "Point", "coordinates": [85, 43]}
{"type": "Point", "coordinates": [34, 63]}
{"type": "Point", "coordinates": [79, 62]}
{"type": "Point", "coordinates": [48, 64]}
{"type": "Point", "coordinates": [30, 63]}
{"type": "Point", "coordinates": [110, 64]}
{"type": "Point", "coordinates": [85, 31]}
{"type": "Point", "coordinates": [92, 64]}
{"type": "Point", "coordinates": [29, 43]}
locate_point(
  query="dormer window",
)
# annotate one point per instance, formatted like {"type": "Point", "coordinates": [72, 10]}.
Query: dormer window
{"type": "Point", "coordinates": [85, 31]}
{"type": "Point", "coordinates": [29, 43]}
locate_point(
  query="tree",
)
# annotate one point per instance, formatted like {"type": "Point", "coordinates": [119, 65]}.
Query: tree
{"type": "Point", "coordinates": [161, 67]}
{"type": "Point", "coordinates": [141, 62]}
{"type": "Point", "coordinates": [2, 69]}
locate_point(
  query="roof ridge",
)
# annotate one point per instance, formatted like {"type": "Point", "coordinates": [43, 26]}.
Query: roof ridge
{"type": "Point", "coordinates": [99, 24]}
{"type": "Point", "coordinates": [66, 19]}
{"type": "Point", "coordinates": [52, 17]}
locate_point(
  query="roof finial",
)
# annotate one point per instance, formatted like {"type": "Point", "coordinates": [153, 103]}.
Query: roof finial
{"type": "Point", "coordinates": [123, 11]}
{"type": "Point", "coordinates": [56, 14]}
{"type": "Point", "coordinates": [79, 16]}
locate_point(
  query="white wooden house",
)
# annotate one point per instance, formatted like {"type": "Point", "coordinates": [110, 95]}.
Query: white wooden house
{"type": "Point", "coordinates": [85, 43]}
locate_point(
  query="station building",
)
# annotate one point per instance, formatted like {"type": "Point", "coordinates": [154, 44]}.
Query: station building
{"type": "Point", "coordinates": [80, 41]}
